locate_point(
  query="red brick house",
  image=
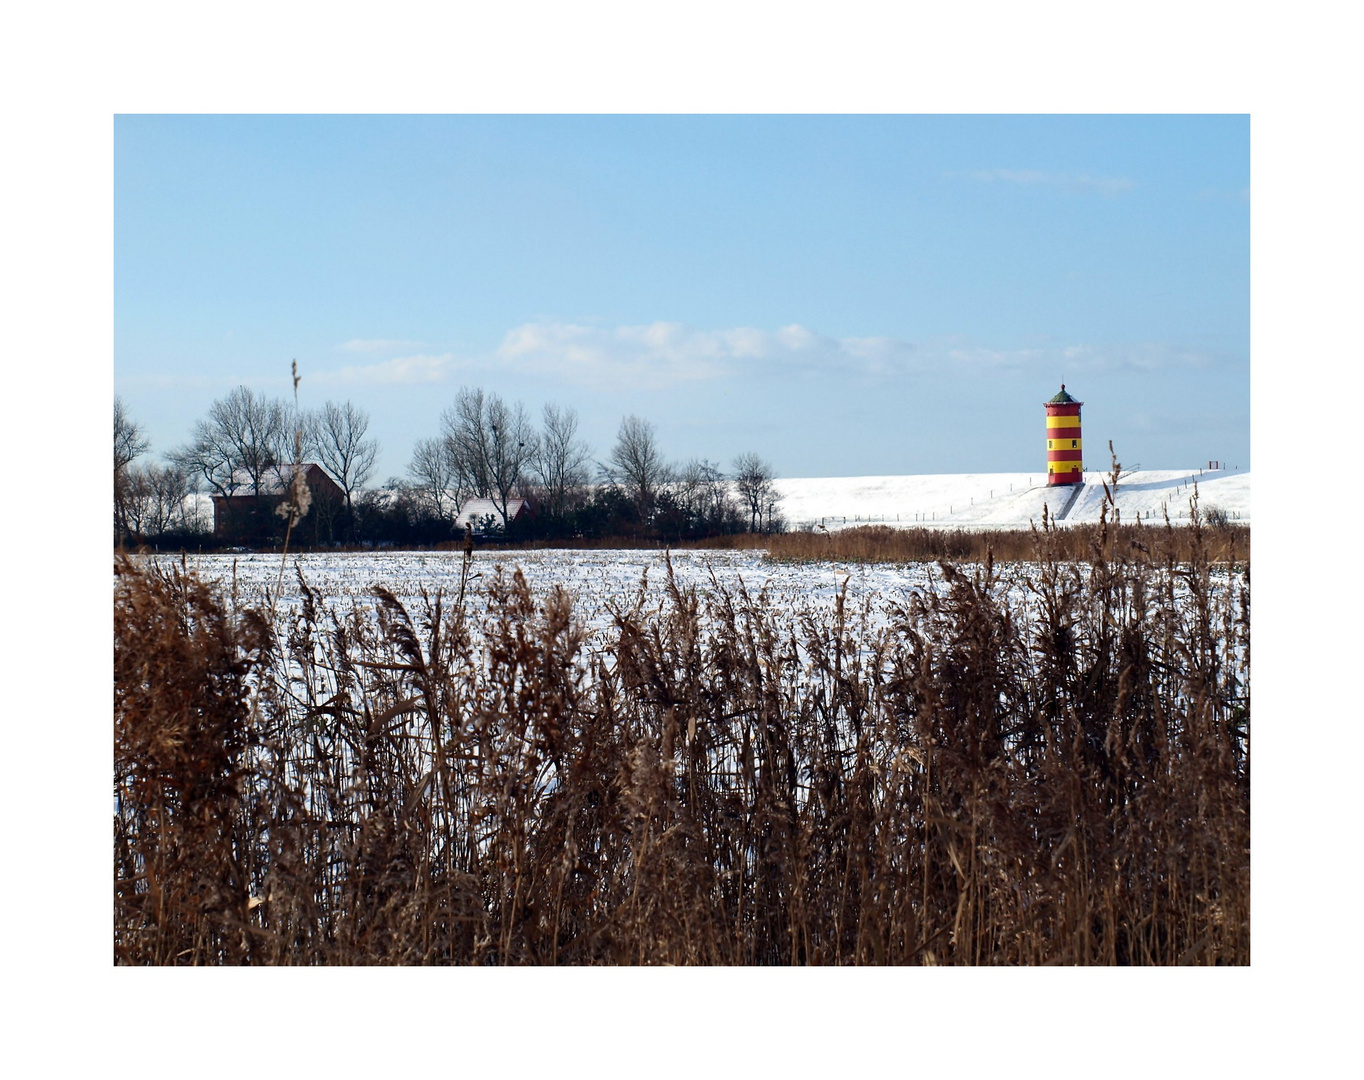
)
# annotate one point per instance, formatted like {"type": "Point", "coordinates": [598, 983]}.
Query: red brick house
{"type": "Point", "coordinates": [251, 517]}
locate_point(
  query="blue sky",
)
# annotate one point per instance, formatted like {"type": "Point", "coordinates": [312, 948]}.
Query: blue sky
{"type": "Point", "coordinates": [847, 295]}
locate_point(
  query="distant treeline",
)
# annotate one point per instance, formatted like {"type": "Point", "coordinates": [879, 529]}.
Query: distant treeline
{"type": "Point", "coordinates": [486, 448]}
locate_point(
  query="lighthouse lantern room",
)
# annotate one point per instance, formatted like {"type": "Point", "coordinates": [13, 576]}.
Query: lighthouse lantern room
{"type": "Point", "coordinates": [1065, 448]}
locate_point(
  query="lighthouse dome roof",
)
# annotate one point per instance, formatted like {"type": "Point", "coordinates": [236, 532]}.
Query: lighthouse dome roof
{"type": "Point", "coordinates": [1063, 398]}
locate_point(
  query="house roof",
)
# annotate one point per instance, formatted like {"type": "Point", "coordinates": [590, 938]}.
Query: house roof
{"type": "Point", "coordinates": [473, 510]}
{"type": "Point", "coordinates": [277, 478]}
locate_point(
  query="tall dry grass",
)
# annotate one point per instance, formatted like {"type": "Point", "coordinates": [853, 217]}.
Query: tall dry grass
{"type": "Point", "coordinates": [882, 543]}
{"type": "Point", "coordinates": [1052, 772]}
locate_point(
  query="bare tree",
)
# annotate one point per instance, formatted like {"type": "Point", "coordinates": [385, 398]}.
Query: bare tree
{"type": "Point", "coordinates": [490, 443]}
{"type": "Point", "coordinates": [753, 481]}
{"type": "Point", "coordinates": [560, 466]}
{"type": "Point", "coordinates": [704, 494]}
{"type": "Point", "coordinates": [437, 483]}
{"type": "Point", "coordinates": [336, 434]}
{"type": "Point", "coordinates": [637, 464]}
{"type": "Point", "coordinates": [129, 440]}
{"type": "Point", "coordinates": [244, 437]}
{"type": "Point", "coordinates": [773, 519]}
{"type": "Point", "coordinates": [157, 500]}
{"type": "Point", "coordinates": [238, 446]}
{"type": "Point", "coordinates": [129, 443]}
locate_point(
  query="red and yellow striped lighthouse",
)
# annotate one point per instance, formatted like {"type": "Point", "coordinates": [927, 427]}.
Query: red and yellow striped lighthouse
{"type": "Point", "coordinates": [1065, 448]}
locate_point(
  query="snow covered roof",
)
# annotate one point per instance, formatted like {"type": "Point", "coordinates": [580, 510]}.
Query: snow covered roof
{"type": "Point", "coordinates": [475, 510]}
{"type": "Point", "coordinates": [276, 478]}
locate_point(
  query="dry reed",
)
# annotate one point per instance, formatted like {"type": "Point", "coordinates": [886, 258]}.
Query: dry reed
{"type": "Point", "coordinates": [881, 543]}
{"type": "Point", "coordinates": [1057, 775]}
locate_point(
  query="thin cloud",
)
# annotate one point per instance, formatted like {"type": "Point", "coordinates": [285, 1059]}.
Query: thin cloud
{"type": "Point", "coordinates": [376, 345]}
{"type": "Point", "coordinates": [975, 356]}
{"type": "Point", "coordinates": [1105, 185]}
{"type": "Point", "coordinates": [400, 370]}
{"type": "Point", "coordinates": [881, 355]}
{"type": "Point", "coordinates": [1138, 356]}
{"type": "Point", "coordinates": [662, 354]}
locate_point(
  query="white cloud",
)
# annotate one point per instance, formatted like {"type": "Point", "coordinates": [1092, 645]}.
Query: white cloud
{"type": "Point", "coordinates": [419, 368]}
{"type": "Point", "coordinates": [663, 354]}
{"type": "Point", "coordinates": [796, 338]}
{"type": "Point", "coordinates": [1106, 185]}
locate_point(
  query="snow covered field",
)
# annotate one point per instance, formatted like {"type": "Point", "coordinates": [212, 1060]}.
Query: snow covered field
{"type": "Point", "coordinates": [1004, 500]}
{"type": "Point", "coordinates": [600, 579]}
{"type": "Point", "coordinates": [597, 579]}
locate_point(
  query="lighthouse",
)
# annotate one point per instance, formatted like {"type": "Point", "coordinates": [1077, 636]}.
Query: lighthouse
{"type": "Point", "coordinates": [1065, 448]}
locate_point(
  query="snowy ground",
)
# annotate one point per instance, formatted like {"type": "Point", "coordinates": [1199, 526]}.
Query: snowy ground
{"type": "Point", "coordinates": [597, 579]}
{"type": "Point", "coordinates": [1004, 500]}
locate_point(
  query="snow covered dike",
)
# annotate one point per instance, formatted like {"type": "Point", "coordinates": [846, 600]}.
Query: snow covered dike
{"type": "Point", "coordinates": [1005, 500]}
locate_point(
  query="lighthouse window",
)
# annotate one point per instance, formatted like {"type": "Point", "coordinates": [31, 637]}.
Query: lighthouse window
{"type": "Point", "coordinates": [1048, 444]}
{"type": "Point", "coordinates": [1074, 443]}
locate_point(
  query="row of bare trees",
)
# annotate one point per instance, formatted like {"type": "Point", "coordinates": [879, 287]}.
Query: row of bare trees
{"type": "Point", "coordinates": [486, 448]}
{"type": "Point", "coordinates": [247, 435]}
{"type": "Point", "coordinates": [489, 448]}
{"type": "Point", "coordinates": [150, 499]}
{"type": "Point", "coordinates": [638, 465]}
{"type": "Point", "coordinates": [239, 448]}
{"type": "Point", "coordinates": [130, 443]}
